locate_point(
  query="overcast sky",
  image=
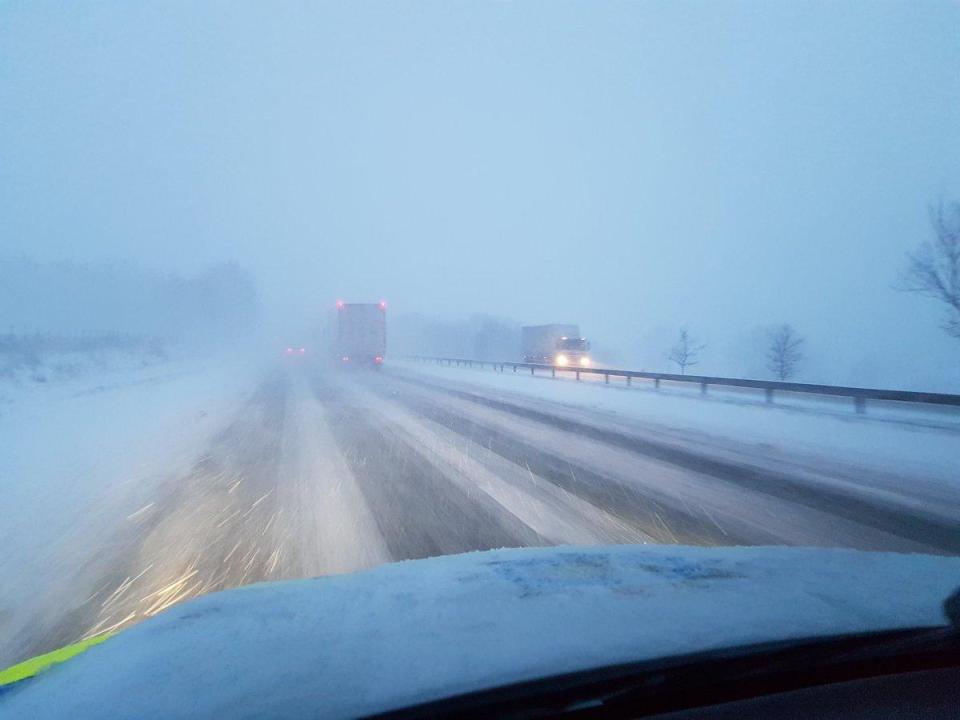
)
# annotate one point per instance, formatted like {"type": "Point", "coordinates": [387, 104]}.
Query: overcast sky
{"type": "Point", "coordinates": [629, 166]}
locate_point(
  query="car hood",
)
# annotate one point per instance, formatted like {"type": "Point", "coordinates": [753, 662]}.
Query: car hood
{"type": "Point", "coordinates": [421, 630]}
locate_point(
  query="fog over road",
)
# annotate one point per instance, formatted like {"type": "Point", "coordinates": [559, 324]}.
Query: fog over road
{"type": "Point", "coordinates": [324, 472]}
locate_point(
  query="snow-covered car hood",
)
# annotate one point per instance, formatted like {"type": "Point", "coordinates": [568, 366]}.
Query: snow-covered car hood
{"type": "Point", "coordinates": [415, 631]}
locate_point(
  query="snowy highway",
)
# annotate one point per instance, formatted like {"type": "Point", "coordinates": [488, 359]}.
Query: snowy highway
{"type": "Point", "coordinates": [319, 472]}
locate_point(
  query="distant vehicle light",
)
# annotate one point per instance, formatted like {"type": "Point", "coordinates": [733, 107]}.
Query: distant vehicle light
{"type": "Point", "coordinates": [346, 358]}
{"type": "Point", "coordinates": [302, 350]}
{"type": "Point", "coordinates": [562, 360]}
{"type": "Point", "coordinates": [339, 304]}
{"type": "Point", "coordinates": [585, 361]}
{"type": "Point", "coordinates": [289, 351]}
{"type": "Point", "coordinates": [383, 304]}
{"type": "Point", "coordinates": [378, 360]}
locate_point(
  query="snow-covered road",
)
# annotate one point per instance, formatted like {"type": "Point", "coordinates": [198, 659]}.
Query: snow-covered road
{"type": "Point", "coordinates": [317, 472]}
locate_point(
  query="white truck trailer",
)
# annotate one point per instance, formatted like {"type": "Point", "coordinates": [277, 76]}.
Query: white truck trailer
{"type": "Point", "coordinates": [557, 344]}
{"type": "Point", "coordinates": [362, 333]}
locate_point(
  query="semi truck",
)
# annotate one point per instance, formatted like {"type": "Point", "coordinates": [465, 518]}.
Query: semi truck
{"type": "Point", "coordinates": [361, 333]}
{"type": "Point", "coordinates": [557, 344]}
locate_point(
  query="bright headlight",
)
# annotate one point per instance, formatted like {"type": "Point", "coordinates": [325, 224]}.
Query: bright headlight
{"type": "Point", "coordinates": [562, 360]}
{"type": "Point", "coordinates": [585, 361]}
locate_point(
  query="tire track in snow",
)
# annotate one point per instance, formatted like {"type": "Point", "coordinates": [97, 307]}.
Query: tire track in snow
{"type": "Point", "coordinates": [270, 499]}
{"type": "Point", "coordinates": [790, 508]}
{"type": "Point", "coordinates": [419, 511]}
{"type": "Point", "coordinates": [540, 455]}
{"type": "Point", "coordinates": [559, 516]}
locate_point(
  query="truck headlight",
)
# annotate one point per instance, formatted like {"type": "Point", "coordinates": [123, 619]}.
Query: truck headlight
{"type": "Point", "coordinates": [585, 361]}
{"type": "Point", "coordinates": [562, 360]}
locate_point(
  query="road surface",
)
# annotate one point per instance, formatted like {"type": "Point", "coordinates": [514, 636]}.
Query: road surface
{"type": "Point", "coordinates": [326, 472]}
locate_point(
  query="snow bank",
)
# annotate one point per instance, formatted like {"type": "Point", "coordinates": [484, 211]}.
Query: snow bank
{"type": "Point", "coordinates": [405, 633]}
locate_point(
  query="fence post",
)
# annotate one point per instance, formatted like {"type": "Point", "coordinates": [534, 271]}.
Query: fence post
{"type": "Point", "coordinates": [656, 383]}
{"type": "Point", "coordinates": [578, 375]}
{"type": "Point", "coordinates": [860, 405]}
{"type": "Point", "coordinates": [514, 368]}
{"type": "Point", "coordinates": [769, 395]}
{"type": "Point", "coordinates": [531, 371]}
{"type": "Point", "coordinates": [553, 372]}
{"type": "Point", "coordinates": [703, 388]}
{"type": "Point", "coordinates": [606, 378]}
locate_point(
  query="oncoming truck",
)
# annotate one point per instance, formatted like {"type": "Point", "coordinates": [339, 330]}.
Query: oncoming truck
{"type": "Point", "coordinates": [559, 345]}
{"type": "Point", "coordinates": [361, 333]}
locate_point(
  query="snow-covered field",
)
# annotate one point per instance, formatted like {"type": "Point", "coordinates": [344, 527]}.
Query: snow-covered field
{"type": "Point", "coordinates": [21, 369]}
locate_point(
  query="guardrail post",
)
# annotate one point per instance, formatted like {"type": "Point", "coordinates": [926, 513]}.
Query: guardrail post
{"type": "Point", "coordinates": [628, 381]}
{"type": "Point", "coordinates": [578, 376]}
{"type": "Point", "coordinates": [514, 368]}
{"type": "Point", "coordinates": [768, 394]}
{"type": "Point", "coordinates": [860, 405]}
{"type": "Point", "coordinates": [553, 372]}
{"type": "Point", "coordinates": [531, 371]}
{"type": "Point", "coordinates": [656, 383]}
{"type": "Point", "coordinates": [606, 378]}
{"type": "Point", "coordinates": [703, 388]}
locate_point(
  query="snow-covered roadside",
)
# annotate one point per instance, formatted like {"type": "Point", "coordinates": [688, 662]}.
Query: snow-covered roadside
{"type": "Point", "coordinates": [928, 452]}
{"type": "Point", "coordinates": [18, 370]}
{"type": "Point", "coordinates": [77, 457]}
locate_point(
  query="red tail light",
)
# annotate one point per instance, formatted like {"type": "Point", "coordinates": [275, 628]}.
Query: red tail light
{"type": "Point", "coordinates": [378, 360]}
{"type": "Point", "coordinates": [339, 304]}
{"type": "Point", "coordinates": [289, 351]}
{"type": "Point", "coordinates": [383, 304]}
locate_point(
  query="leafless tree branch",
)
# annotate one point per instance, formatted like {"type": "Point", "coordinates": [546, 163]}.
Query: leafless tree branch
{"type": "Point", "coordinates": [933, 269]}
{"type": "Point", "coordinates": [784, 353]}
{"type": "Point", "coordinates": [685, 353]}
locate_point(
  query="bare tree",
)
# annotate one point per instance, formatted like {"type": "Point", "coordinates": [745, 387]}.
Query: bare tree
{"type": "Point", "coordinates": [685, 353]}
{"type": "Point", "coordinates": [933, 269]}
{"type": "Point", "coordinates": [784, 353]}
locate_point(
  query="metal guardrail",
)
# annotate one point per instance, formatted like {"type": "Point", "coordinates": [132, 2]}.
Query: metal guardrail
{"type": "Point", "coordinates": [859, 395]}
